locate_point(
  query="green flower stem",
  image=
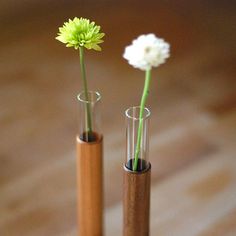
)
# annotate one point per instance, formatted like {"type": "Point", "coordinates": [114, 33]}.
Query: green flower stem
{"type": "Point", "coordinates": [88, 111]}
{"type": "Point", "coordinates": [140, 127]}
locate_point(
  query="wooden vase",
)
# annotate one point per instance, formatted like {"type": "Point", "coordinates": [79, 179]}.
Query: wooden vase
{"type": "Point", "coordinates": [90, 187]}
{"type": "Point", "coordinates": [136, 201]}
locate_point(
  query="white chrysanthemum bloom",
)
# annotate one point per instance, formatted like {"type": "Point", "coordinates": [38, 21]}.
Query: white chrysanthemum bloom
{"type": "Point", "coordinates": [147, 51]}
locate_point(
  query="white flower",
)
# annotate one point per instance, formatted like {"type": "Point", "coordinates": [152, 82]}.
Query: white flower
{"type": "Point", "coordinates": [147, 51]}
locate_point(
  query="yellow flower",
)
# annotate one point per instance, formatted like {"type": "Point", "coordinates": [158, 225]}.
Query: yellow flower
{"type": "Point", "coordinates": [80, 32]}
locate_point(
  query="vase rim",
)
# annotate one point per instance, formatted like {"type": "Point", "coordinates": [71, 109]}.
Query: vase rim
{"type": "Point", "coordinates": [97, 98]}
{"type": "Point", "coordinates": [147, 113]}
{"type": "Point", "coordinates": [138, 172]}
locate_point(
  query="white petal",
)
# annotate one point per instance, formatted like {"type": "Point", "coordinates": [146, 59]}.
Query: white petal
{"type": "Point", "coordinates": [147, 51]}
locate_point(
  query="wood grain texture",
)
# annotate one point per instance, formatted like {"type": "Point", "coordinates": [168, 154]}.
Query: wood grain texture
{"type": "Point", "coordinates": [136, 202]}
{"type": "Point", "coordinates": [90, 187]}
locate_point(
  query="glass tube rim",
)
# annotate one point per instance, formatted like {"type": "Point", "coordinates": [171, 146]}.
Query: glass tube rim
{"type": "Point", "coordinates": [146, 115]}
{"type": "Point", "coordinates": [98, 97]}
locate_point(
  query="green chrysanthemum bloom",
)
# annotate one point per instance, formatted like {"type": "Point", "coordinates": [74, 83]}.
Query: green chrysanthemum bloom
{"type": "Point", "coordinates": [80, 32]}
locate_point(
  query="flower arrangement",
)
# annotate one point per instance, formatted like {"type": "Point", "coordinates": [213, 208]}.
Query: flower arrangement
{"type": "Point", "coordinates": [80, 33]}
{"type": "Point", "coordinates": [145, 52]}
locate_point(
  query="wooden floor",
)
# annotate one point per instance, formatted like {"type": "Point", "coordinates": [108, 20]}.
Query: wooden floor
{"type": "Point", "coordinates": [193, 122]}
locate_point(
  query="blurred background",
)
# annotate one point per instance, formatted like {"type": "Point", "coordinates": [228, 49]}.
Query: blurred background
{"type": "Point", "coordinates": [192, 100]}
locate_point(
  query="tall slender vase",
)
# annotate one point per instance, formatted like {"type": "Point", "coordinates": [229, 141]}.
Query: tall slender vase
{"type": "Point", "coordinates": [136, 184]}
{"type": "Point", "coordinates": [89, 166]}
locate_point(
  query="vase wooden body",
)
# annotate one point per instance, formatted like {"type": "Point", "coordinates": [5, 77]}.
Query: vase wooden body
{"type": "Point", "coordinates": [136, 202]}
{"type": "Point", "coordinates": [90, 187]}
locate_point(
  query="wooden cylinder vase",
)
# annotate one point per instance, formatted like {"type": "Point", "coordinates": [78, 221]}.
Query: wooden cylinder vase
{"type": "Point", "coordinates": [136, 201]}
{"type": "Point", "coordinates": [90, 187]}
